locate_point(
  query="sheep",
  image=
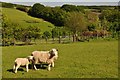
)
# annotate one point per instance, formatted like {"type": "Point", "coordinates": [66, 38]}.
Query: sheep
{"type": "Point", "coordinates": [22, 62]}
{"type": "Point", "coordinates": [50, 62]}
{"type": "Point", "coordinates": [45, 56]}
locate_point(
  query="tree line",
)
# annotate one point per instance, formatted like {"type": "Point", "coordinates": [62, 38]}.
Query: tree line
{"type": "Point", "coordinates": [12, 32]}
{"type": "Point", "coordinates": [80, 18]}
{"type": "Point", "coordinates": [69, 20]}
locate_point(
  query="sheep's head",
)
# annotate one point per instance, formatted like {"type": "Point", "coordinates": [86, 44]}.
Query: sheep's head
{"type": "Point", "coordinates": [30, 58]}
{"type": "Point", "coordinates": [54, 52]}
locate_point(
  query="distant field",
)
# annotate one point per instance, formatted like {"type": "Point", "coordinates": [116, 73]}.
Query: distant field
{"type": "Point", "coordinates": [76, 60]}
{"type": "Point", "coordinates": [24, 20]}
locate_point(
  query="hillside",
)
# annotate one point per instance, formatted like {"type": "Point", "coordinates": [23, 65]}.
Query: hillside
{"type": "Point", "coordinates": [25, 20]}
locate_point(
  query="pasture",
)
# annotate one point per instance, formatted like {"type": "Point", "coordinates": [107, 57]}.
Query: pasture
{"type": "Point", "coordinates": [24, 20]}
{"type": "Point", "coordinates": [76, 60]}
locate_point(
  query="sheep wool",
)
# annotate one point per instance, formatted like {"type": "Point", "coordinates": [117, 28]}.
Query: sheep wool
{"type": "Point", "coordinates": [44, 56]}
{"type": "Point", "coordinates": [22, 62]}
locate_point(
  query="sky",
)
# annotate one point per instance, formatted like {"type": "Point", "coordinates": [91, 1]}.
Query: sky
{"type": "Point", "coordinates": [60, 0]}
{"type": "Point", "coordinates": [53, 3]}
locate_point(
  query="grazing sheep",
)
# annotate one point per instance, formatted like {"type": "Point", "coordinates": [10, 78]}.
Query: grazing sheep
{"type": "Point", "coordinates": [22, 62]}
{"type": "Point", "coordinates": [45, 56]}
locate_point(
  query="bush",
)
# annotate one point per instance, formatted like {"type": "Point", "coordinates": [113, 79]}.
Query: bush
{"type": "Point", "coordinates": [7, 5]}
{"type": "Point", "coordinates": [21, 8]}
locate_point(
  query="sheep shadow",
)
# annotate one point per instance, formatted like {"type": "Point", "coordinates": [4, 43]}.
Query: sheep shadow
{"type": "Point", "coordinates": [38, 66]}
{"type": "Point", "coordinates": [22, 68]}
{"type": "Point", "coordinates": [19, 69]}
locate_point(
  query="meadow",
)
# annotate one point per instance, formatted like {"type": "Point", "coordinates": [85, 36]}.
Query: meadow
{"type": "Point", "coordinates": [97, 59]}
{"type": "Point", "coordinates": [94, 59]}
{"type": "Point", "coordinates": [24, 20]}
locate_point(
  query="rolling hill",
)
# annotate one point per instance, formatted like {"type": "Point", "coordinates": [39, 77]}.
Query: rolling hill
{"type": "Point", "coordinates": [25, 20]}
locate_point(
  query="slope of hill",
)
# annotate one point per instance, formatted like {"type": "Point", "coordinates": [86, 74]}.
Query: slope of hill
{"type": "Point", "coordinates": [25, 20]}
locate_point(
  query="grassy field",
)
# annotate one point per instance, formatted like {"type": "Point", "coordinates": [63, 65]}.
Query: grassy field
{"type": "Point", "coordinates": [24, 20]}
{"type": "Point", "coordinates": [76, 60]}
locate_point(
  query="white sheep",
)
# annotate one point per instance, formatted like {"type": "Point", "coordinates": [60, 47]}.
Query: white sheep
{"type": "Point", "coordinates": [22, 62]}
{"type": "Point", "coordinates": [45, 56]}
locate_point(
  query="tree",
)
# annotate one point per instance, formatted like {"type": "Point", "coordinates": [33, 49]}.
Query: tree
{"type": "Point", "coordinates": [58, 17]}
{"type": "Point", "coordinates": [111, 17]}
{"type": "Point", "coordinates": [69, 8]}
{"type": "Point", "coordinates": [6, 30]}
{"type": "Point", "coordinates": [91, 27]}
{"type": "Point", "coordinates": [36, 33]}
{"type": "Point", "coordinates": [73, 8]}
{"type": "Point", "coordinates": [54, 33]}
{"type": "Point", "coordinates": [46, 35]}
{"type": "Point", "coordinates": [7, 5]}
{"type": "Point", "coordinates": [30, 32]}
{"type": "Point", "coordinates": [93, 19]}
{"type": "Point", "coordinates": [105, 24]}
{"type": "Point", "coordinates": [75, 22]}
{"type": "Point", "coordinates": [36, 10]}
{"type": "Point", "coordinates": [54, 15]}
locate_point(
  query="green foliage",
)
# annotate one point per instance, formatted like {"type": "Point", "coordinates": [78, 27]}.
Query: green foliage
{"type": "Point", "coordinates": [58, 17]}
{"type": "Point", "coordinates": [13, 30]}
{"type": "Point", "coordinates": [6, 31]}
{"type": "Point", "coordinates": [101, 8]}
{"type": "Point", "coordinates": [7, 5]}
{"type": "Point", "coordinates": [22, 8]}
{"type": "Point", "coordinates": [54, 15]}
{"type": "Point", "coordinates": [72, 8]}
{"type": "Point", "coordinates": [54, 32]}
{"type": "Point", "coordinates": [11, 5]}
{"type": "Point", "coordinates": [21, 27]}
{"type": "Point", "coordinates": [105, 24]}
{"type": "Point", "coordinates": [110, 15]}
{"type": "Point", "coordinates": [93, 19]}
{"type": "Point", "coordinates": [46, 34]}
{"type": "Point", "coordinates": [36, 10]}
{"type": "Point", "coordinates": [112, 19]}
{"type": "Point", "coordinates": [74, 18]}
{"type": "Point", "coordinates": [76, 22]}
{"type": "Point", "coordinates": [69, 8]}
{"type": "Point", "coordinates": [91, 27]}
{"type": "Point", "coordinates": [30, 32]}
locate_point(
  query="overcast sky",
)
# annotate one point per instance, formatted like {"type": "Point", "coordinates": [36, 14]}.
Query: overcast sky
{"type": "Point", "coordinates": [61, 2]}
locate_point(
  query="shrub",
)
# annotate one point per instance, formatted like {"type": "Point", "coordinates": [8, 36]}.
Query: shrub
{"type": "Point", "coordinates": [21, 8]}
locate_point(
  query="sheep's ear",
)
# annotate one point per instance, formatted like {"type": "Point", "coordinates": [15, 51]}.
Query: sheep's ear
{"type": "Point", "coordinates": [57, 49]}
{"type": "Point", "coordinates": [51, 51]}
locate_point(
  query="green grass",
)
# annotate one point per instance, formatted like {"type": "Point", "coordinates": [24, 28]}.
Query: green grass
{"type": "Point", "coordinates": [25, 20]}
{"type": "Point", "coordinates": [76, 60]}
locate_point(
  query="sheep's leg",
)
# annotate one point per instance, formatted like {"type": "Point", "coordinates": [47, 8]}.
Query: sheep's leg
{"type": "Point", "coordinates": [49, 67]}
{"type": "Point", "coordinates": [27, 67]}
{"type": "Point", "coordinates": [41, 65]}
{"type": "Point", "coordinates": [35, 67]}
{"type": "Point", "coordinates": [53, 64]}
{"type": "Point", "coordinates": [17, 68]}
{"type": "Point", "coordinates": [13, 68]}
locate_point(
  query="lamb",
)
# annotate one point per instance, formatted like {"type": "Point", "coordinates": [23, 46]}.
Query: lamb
{"type": "Point", "coordinates": [45, 56]}
{"type": "Point", "coordinates": [51, 62]}
{"type": "Point", "coordinates": [22, 62]}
